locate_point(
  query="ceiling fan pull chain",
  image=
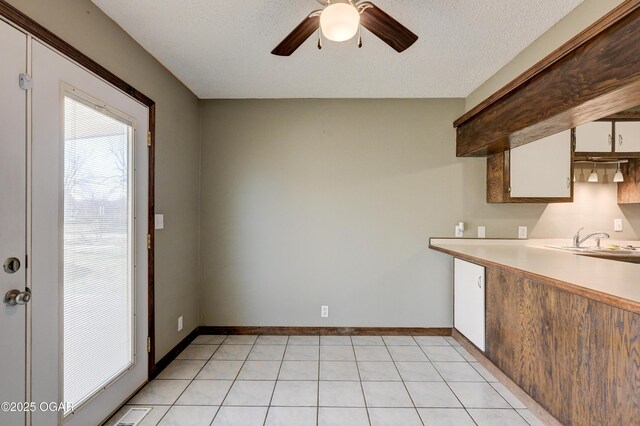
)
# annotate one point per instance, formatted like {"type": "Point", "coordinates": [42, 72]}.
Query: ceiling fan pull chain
{"type": "Point", "coordinates": [359, 36]}
{"type": "Point", "coordinates": [319, 39]}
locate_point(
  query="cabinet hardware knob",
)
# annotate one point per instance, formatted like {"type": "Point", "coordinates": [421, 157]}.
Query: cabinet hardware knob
{"type": "Point", "coordinates": [619, 140]}
{"type": "Point", "coordinates": [610, 140]}
{"type": "Point", "coordinates": [479, 282]}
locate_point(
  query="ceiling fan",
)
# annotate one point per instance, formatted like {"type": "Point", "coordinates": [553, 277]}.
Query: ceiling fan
{"type": "Point", "coordinates": [340, 20]}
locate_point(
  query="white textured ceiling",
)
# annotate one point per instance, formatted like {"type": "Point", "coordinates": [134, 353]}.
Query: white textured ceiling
{"type": "Point", "coordinates": [221, 48]}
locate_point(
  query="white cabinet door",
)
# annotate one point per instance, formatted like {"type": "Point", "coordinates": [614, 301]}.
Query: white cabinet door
{"type": "Point", "coordinates": [468, 297]}
{"type": "Point", "coordinates": [627, 136]}
{"type": "Point", "coordinates": [542, 169]}
{"type": "Point", "coordinates": [594, 137]}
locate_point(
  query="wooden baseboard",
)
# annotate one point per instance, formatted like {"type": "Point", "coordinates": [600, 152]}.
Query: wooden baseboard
{"type": "Point", "coordinates": [529, 402]}
{"type": "Point", "coordinates": [172, 354]}
{"type": "Point", "coordinates": [333, 331]}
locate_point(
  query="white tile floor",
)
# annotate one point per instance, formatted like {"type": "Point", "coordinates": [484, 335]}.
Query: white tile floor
{"type": "Point", "coordinates": [327, 380]}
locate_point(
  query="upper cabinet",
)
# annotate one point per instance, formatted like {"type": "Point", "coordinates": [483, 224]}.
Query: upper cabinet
{"type": "Point", "coordinates": [542, 169]}
{"type": "Point", "coordinates": [538, 172]}
{"type": "Point", "coordinates": [611, 137]}
{"type": "Point", "coordinates": [596, 136]}
{"type": "Point", "coordinates": [627, 136]}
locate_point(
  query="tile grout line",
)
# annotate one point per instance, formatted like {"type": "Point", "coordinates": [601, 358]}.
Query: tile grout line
{"type": "Point", "coordinates": [275, 384]}
{"type": "Point", "coordinates": [318, 396]}
{"type": "Point", "coordinates": [402, 378]}
{"type": "Point", "coordinates": [491, 383]}
{"type": "Point", "coordinates": [233, 382]}
{"type": "Point", "coordinates": [447, 383]}
{"type": "Point", "coordinates": [190, 382]}
{"type": "Point", "coordinates": [364, 397]}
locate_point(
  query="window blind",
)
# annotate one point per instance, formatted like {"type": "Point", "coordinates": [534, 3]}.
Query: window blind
{"type": "Point", "coordinates": [97, 249]}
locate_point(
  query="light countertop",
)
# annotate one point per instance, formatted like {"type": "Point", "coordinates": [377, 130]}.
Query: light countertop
{"type": "Point", "coordinates": [613, 282]}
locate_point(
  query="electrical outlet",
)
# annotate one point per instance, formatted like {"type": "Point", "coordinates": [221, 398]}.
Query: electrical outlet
{"type": "Point", "coordinates": [617, 225]}
{"type": "Point", "coordinates": [180, 323]}
{"type": "Point", "coordinates": [324, 311]}
{"type": "Point", "coordinates": [522, 232]}
{"type": "Point", "coordinates": [459, 231]}
{"type": "Point", "coordinates": [482, 232]}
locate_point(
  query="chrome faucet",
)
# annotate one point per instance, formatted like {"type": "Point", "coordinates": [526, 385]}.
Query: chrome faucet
{"type": "Point", "coordinates": [599, 235]}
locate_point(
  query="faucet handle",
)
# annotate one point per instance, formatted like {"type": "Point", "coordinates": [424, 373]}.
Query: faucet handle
{"type": "Point", "coordinates": [578, 232]}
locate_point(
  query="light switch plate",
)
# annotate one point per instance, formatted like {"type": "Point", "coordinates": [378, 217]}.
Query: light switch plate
{"type": "Point", "coordinates": [617, 225]}
{"type": "Point", "coordinates": [180, 323]}
{"type": "Point", "coordinates": [522, 232]}
{"type": "Point", "coordinates": [482, 232]}
{"type": "Point", "coordinates": [158, 221]}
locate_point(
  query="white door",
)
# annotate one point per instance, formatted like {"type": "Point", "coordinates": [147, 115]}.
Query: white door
{"type": "Point", "coordinates": [469, 301]}
{"type": "Point", "coordinates": [542, 169]}
{"type": "Point", "coordinates": [89, 226]}
{"type": "Point", "coordinates": [596, 136]}
{"type": "Point", "coordinates": [627, 136]}
{"type": "Point", "coordinates": [13, 186]}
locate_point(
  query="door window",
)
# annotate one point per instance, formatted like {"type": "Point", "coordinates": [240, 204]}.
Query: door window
{"type": "Point", "coordinates": [97, 259]}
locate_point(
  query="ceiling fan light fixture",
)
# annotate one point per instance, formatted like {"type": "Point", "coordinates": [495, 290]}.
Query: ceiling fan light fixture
{"type": "Point", "coordinates": [339, 21]}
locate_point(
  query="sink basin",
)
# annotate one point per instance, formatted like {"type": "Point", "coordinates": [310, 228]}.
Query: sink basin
{"type": "Point", "coordinates": [607, 250]}
{"type": "Point", "coordinates": [623, 254]}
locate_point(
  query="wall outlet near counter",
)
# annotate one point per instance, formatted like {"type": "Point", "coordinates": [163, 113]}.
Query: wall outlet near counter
{"type": "Point", "coordinates": [324, 311]}
{"type": "Point", "coordinates": [482, 232]}
{"type": "Point", "coordinates": [180, 323]}
{"type": "Point", "coordinates": [459, 231]}
{"type": "Point", "coordinates": [522, 232]}
{"type": "Point", "coordinates": [617, 225]}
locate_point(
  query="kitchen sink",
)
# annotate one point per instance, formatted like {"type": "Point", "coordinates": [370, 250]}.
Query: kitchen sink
{"type": "Point", "coordinates": [623, 254]}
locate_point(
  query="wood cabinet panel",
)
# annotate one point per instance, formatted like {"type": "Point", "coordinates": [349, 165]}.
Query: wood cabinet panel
{"type": "Point", "coordinates": [629, 190]}
{"type": "Point", "coordinates": [578, 358]}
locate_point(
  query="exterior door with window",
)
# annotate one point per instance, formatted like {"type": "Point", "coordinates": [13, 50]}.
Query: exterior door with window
{"type": "Point", "coordinates": [89, 227]}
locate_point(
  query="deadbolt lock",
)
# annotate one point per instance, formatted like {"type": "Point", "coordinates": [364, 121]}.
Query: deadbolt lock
{"type": "Point", "coordinates": [11, 265]}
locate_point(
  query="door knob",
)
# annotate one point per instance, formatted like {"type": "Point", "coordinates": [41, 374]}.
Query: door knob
{"type": "Point", "coordinates": [16, 297]}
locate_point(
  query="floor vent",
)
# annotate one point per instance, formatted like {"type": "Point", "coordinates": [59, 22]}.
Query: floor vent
{"type": "Point", "coordinates": [133, 417]}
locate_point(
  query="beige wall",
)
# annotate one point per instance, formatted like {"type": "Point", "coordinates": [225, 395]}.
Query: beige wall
{"type": "Point", "coordinates": [84, 26]}
{"type": "Point", "coordinates": [328, 202]}
{"type": "Point", "coordinates": [580, 18]}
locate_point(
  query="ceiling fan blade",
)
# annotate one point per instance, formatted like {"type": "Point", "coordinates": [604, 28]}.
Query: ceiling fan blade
{"type": "Point", "coordinates": [298, 35]}
{"type": "Point", "coordinates": [385, 27]}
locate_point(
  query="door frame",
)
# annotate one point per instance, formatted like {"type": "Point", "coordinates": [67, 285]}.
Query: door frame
{"type": "Point", "coordinates": [18, 19]}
